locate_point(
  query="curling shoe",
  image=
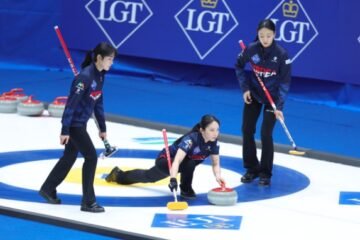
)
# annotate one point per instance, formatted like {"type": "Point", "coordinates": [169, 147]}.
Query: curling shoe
{"type": "Point", "coordinates": [249, 177]}
{"type": "Point", "coordinates": [50, 198]}
{"type": "Point", "coordinates": [190, 194]}
{"type": "Point", "coordinates": [94, 208]}
{"type": "Point", "coordinates": [264, 181]}
{"type": "Point", "coordinates": [112, 176]}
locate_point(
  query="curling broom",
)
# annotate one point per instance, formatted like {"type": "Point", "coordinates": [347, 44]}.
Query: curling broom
{"type": "Point", "coordinates": [172, 205]}
{"type": "Point", "coordinates": [109, 150]}
{"type": "Point", "coordinates": [295, 150]}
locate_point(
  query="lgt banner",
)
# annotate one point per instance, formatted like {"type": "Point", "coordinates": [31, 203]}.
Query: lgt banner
{"type": "Point", "coordinates": [207, 32]}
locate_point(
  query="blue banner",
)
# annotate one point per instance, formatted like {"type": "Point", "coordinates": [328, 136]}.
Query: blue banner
{"type": "Point", "coordinates": [322, 38]}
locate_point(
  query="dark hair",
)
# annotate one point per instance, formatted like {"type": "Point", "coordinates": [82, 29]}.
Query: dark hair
{"type": "Point", "coordinates": [103, 49]}
{"type": "Point", "coordinates": [266, 23]}
{"type": "Point", "coordinates": [205, 121]}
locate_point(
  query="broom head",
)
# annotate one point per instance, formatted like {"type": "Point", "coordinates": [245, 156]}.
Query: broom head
{"type": "Point", "coordinates": [297, 152]}
{"type": "Point", "coordinates": [177, 205]}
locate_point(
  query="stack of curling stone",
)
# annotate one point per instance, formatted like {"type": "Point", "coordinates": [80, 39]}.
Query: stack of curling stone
{"type": "Point", "coordinates": [8, 104]}
{"type": "Point", "coordinates": [222, 196]}
{"type": "Point", "coordinates": [56, 108]}
{"type": "Point", "coordinates": [30, 107]}
{"type": "Point", "coordinates": [9, 100]}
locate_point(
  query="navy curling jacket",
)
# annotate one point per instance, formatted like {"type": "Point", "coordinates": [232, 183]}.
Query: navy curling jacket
{"type": "Point", "coordinates": [85, 97]}
{"type": "Point", "coordinates": [272, 65]}
{"type": "Point", "coordinates": [194, 146]}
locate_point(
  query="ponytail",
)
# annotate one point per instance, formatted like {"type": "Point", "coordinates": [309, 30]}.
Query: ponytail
{"type": "Point", "coordinates": [103, 49]}
{"type": "Point", "coordinates": [88, 59]}
{"type": "Point", "coordinates": [196, 128]}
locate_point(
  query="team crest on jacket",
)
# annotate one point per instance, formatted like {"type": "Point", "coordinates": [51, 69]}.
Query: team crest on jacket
{"type": "Point", "coordinates": [95, 95]}
{"type": "Point", "coordinates": [188, 143]}
{"type": "Point", "coordinates": [79, 87]}
{"type": "Point", "coordinates": [274, 60]}
{"type": "Point", "coordinates": [255, 58]}
{"type": "Point", "coordinates": [196, 150]}
{"type": "Point", "coordinates": [93, 85]}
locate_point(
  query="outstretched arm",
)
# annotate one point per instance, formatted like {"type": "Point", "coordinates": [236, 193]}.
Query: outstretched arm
{"type": "Point", "coordinates": [215, 159]}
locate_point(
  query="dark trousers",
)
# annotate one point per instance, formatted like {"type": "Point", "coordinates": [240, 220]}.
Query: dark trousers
{"type": "Point", "coordinates": [160, 171]}
{"type": "Point", "coordinates": [79, 142]}
{"type": "Point", "coordinates": [250, 116]}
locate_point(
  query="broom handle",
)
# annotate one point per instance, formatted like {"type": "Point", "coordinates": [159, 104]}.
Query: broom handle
{"type": "Point", "coordinates": [66, 50]}
{"type": "Point", "coordinates": [168, 157]}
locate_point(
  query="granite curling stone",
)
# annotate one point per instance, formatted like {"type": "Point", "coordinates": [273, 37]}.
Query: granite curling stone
{"type": "Point", "coordinates": [8, 104]}
{"type": "Point", "coordinates": [56, 108]}
{"type": "Point", "coordinates": [222, 196]}
{"type": "Point", "coordinates": [30, 107]}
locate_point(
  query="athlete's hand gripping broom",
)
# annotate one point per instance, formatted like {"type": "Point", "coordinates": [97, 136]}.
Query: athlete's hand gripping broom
{"type": "Point", "coordinates": [172, 205]}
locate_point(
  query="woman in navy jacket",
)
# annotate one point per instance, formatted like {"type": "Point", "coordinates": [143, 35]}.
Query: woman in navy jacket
{"type": "Point", "coordinates": [85, 98]}
{"type": "Point", "coordinates": [270, 62]}
{"type": "Point", "coordinates": [186, 153]}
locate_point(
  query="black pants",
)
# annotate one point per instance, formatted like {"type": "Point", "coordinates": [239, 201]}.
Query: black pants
{"type": "Point", "coordinates": [160, 171]}
{"type": "Point", "coordinates": [250, 117]}
{"type": "Point", "coordinates": [79, 142]}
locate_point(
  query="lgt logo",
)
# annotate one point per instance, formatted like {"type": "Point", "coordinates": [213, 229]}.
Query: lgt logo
{"type": "Point", "coordinates": [294, 27]}
{"type": "Point", "coordinates": [206, 23]}
{"type": "Point", "coordinates": [119, 19]}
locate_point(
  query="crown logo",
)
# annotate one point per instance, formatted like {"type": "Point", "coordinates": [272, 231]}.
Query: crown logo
{"type": "Point", "coordinates": [290, 9]}
{"type": "Point", "coordinates": [209, 3]}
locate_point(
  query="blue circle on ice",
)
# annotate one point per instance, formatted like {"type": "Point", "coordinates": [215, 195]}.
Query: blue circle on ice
{"type": "Point", "coordinates": [285, 181]}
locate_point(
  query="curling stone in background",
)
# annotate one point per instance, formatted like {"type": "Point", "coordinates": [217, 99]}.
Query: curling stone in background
{"type": "Point", "coordinates": [17, 93]}
{"type": "Point", "coordinates": [222, 196]}
{"type": "Point", "coordinates": [8, 104]}
{"type": "Point", "coordinates": [30, 107]}
{"type": "Point", "coordinates": [56, 108]}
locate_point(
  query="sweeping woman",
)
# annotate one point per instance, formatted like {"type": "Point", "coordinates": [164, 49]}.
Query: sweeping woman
{"type": "Point", "coordinates": [272, 65]}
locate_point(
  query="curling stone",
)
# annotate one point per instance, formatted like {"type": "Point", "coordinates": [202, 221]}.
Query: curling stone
{"type": "Point", "coordinates": [8, 104]}
{"type": "Point", "coordinates": [30, 107]}
{"type": "Point", "coordinates": [56, 108]}
{"type": "Point", "coordinates": [17, 93]}
{"type": "Point", "coordinates": [222, 196]}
